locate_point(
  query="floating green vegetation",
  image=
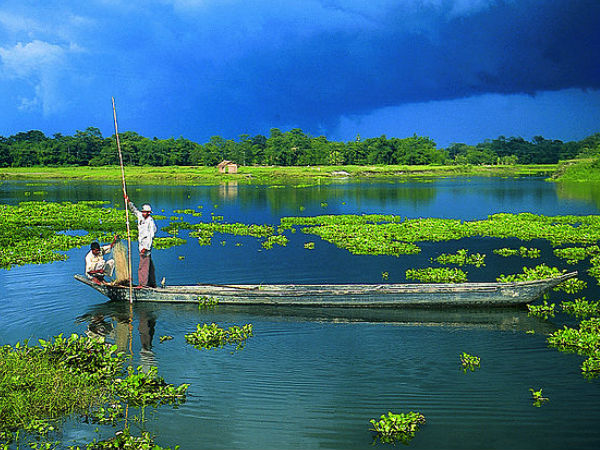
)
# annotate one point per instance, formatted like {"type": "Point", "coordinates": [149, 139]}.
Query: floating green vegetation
{"type": "Point", "coordinates": [124, 440]}
{"type": "Point", "coordinates": [391, 235]}
{"type": "Point", "coordinates": [174, 228]}
{"type": "Point", "coordinates": [397, 427]}
{"type": "Point", "coordinates": [584, 340]}
{"type": "Point", "coordinates": [165, 338]}
{"type": "Point", "coordinates": [544, 310]}
{"type": "Point", "coordinates": [437, 275]}
{"type": "Point", "coordinates": [309, 245]}
{"type": "Point", "coordinates": [167, 242]}
{"type": "Point", "coordinates": [207, 302]}
{"type": "Point", "coordinates": [204, 236]}
{"type": "Point", "coordinates": [34, 232]}
{"type": "Point", "coordinates": [189, 212]}
{"type": "Point", "coordinates": [42, 386]}
{"type": "Point", "coordinates": [575, 254]}
{"type": "Point", "coordinates": [236, 229]}
{"type": "Point", "coordinates": [469, 362]}
{"type": "Point", "coordinates": [461, 257]}
{"type": "Point", "coordinates": [580, 307]}
{"type": "Point", "coordinates": [523, 252]}
{"type": "Point", "coordinates": [542, 271]}
{"type": "Point", "coordinates": [212, 336]}
{"type": "Point", "coordinates": [384, 276]}
{"type": "Point", "coordinates": [538, 398]}
{"type": "Point", "coordinates": [279, 239]}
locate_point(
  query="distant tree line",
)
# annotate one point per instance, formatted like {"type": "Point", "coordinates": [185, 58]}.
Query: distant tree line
{"type": "Point", "coordinates": [289, 148]}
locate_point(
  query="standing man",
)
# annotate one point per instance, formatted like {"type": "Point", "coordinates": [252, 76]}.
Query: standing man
{"type": "Point", "coordinates": [146, 231]}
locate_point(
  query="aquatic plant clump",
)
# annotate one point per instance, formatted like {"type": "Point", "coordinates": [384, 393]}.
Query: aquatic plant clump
{"type": "Point", "coordinates": [580, 307]}
{"type": "Point", "coordinates": [401, 427]}
{"type": "Point", "coordinates": [437, 275]}
{"type": "Point", "coordinates": [523, 252]}
{"type": "Point", "coordinates": [213, 336]}
{"type": "Point", "coordinates": [584, 340]}
{"type": "Point", "coordinates": [544, 310]}
{"type": "Point", "coordinates": [541, 272]}
{"type": "Point", "coordinates": [34, 232]}
{"type": "Point", "coordinates": [538, 398]}
{"type": "Point", "coordinates": [40, 386]}
{"type": "Point", "coordinates": [462, 257]}
{"type": "Point", "coordinates": [469, 362]}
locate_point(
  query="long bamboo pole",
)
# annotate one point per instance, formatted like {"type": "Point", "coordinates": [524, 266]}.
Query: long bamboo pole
{"type": "Point", "coordinates": [125, 198]}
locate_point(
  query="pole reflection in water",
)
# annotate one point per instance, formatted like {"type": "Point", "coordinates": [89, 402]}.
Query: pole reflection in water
{"type": "Point", "coordinates": [113, 322]}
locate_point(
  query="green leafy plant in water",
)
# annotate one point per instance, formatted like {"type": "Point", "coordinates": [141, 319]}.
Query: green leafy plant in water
{"type": "Point", "coordinates": [165, 338]}
{"type": "Point", "coordinates": [213, 336]}
{"type": "Point", "coordinates": [544, 310]}
{"type": "Point", "coordinates": [523, 252]}
{"type": "Point", "coordinates": [207, 302]}
{"type": "Point", "coordinates": [279, 239]}
{"type": "Point", "coordinates": [392, 428]}
{"type": "Point", "coordinates": [437, 275]}
{"type": "Point", "coordinates": [538, 398]}
{"type": "Point", "coordinates": [42, 385]}
{"type": "Point", "coordinates": [584, 340]}
{"type": "Point", "coordinates": [124, 440]}
{"type": "Point", "coordinates": [580, 307]}
{"type": "Point", "coordinates": [469, 362]}
{"type": "Point", "coordinates": [309, 245]}
{"type": "Point", "coordinates": [462, 257]}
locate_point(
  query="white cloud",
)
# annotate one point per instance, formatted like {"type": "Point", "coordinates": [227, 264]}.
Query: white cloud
{"type": "Point", "coordinates": [42, 65]}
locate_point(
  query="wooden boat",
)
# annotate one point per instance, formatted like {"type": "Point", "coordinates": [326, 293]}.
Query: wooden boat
{"type": "Point", "coordinates": [343, 295]}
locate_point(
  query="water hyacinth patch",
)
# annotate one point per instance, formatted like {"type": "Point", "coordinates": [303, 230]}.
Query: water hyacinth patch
{"type": "Point", "coordinates": [213, 336]}
{"type": "Point", "coordinates": [544, 310]}
{"type": "Point", "coordinates": [469, 362]}
{"type": "Point", "coordinates": [538, 399]}
{"type": "Point", "coordinates": [523, 252]}
{"type": "Point", "coordinates": [461, 257]}
{"type": "Point", "coordinates": [77, 376]}
{"type": "Point", "coordinates": [437, 275]}
{"type": "Point", "coordinates": [392, 428]}
{"type": "Point", "coordinates": [580, 307]}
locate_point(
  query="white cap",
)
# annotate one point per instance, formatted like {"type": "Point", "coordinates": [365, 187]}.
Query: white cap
{"type": "Point", "coordinates": [146, 207]}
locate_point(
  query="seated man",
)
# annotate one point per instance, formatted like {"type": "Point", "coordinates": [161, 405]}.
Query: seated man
{"type": "Point", "coordinates": [95, 265]}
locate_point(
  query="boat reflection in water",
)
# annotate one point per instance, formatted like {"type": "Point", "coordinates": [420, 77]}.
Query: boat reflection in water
{"type": "Point", "coordinates": [111, 319]}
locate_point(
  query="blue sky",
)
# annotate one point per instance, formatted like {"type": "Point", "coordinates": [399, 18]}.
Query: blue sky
{"type": "Point", "coordinates": [453, 70]}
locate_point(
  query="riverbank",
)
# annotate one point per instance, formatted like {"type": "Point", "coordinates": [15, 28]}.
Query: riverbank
{"type": "Point", "coordinates": [267, 174]}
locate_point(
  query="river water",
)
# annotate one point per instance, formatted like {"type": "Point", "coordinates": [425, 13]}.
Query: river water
{"type": "Point", "coordinates": [312, 378]}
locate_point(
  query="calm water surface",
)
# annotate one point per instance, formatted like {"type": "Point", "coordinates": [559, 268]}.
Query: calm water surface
{"type": "Point", "coordinates": [313, 378]}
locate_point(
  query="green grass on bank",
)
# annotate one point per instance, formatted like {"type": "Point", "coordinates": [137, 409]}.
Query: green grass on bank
{"type": "Point", "coordinates": [578, 170]}
{"type": "Point", "coordinates": [264, 174]}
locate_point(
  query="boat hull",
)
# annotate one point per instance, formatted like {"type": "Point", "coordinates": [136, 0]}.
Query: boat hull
{"type": "Point", "coordinates": [343, 295]}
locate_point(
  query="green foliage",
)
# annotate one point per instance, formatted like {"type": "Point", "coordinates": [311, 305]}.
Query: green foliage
{"type": "Point", "coordinates": [212, 336]}
{"type": "Point", "coordinates": [538, 399]}
{"type": "Point", "coordinates": [279, 239]}
{"type": "Point", "coordinates": [283, 148]}
{"type": "Point", "coordinates": [462, 257]}
{"type": "Point", "coordinates": [397, 427]}
{"type": "Point", "coordinates": [524, 252]}
{"type": "Point", "coordinates": [142, 389]}
{"type": "Point", "coordinates": [34, 232]}
{"type": "Point", "coordinates": [167, 242]}
{"type": "Point", "coordinates": [437, 275]}
{"type": "Point", "coordinates": [544, 310]}
{"type": "Point", "coordinates": [581, 307]}
{"type": "Point", "coordinates": [40, 386]}
{"type": "Point", "coordinates": [469, 362]}
{"type": "Point", "coordinates": [542, 271]}
{"type": "Point", "coordinates": [575, 254]}
{"type": "Point", "coordinates": [124, 440]}
{"type": "Point", "coordinates": [207, 302]}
